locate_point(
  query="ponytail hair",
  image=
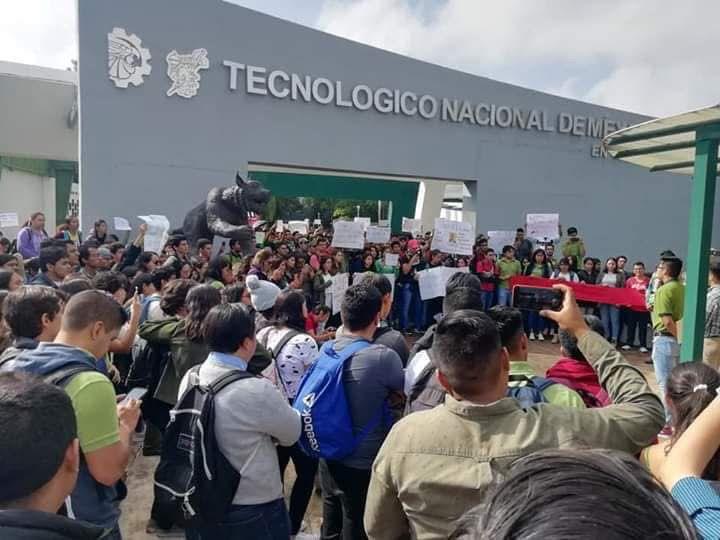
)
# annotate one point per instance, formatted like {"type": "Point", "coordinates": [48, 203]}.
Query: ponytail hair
{"type": "Point", "coordinates": [691, 387]}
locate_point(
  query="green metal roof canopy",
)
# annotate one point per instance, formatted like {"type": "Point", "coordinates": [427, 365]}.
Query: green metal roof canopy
{"type": "Point", "coordinates": [686, 143]}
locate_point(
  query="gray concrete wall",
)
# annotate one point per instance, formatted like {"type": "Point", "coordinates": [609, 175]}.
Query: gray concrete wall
{"type": "Point", "coordinates": [34, 112]}
{"type": "Point", "coordinates": [143, 152]}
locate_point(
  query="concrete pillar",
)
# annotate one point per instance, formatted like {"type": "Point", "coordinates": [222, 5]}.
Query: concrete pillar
{"type": "Point", "coordinates": [429, 202]}
{"type": "Point", "coordinates": [470, 200]}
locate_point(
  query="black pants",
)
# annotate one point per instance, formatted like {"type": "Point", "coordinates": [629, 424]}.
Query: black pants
{"type": "Point", "coordinates": [305, 468]}
{"type": "Point", "coordinates": [639, 320]}
{"type": "Point", "coordinates": [344, 493]}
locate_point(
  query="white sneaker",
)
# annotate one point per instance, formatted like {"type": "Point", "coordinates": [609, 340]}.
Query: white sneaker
{"type": "Point", "coordinates": [541, 337]}
{"type": "Point", "coordinates": [626, 347]}
{"type": "Point", "coordinates": [555, 338]}
{"type": "Point", "coordinates": [532, 336]}
{"type": "Point", "coordinates": [644, 350]}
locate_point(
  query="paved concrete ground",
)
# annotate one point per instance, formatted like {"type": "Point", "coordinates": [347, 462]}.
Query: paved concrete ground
{"type": "Point", "coordinates": [136, 508]}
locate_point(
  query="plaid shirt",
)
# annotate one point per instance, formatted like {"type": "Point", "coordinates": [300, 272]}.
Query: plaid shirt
{"type": "Point", "coordinates": [712, 313]}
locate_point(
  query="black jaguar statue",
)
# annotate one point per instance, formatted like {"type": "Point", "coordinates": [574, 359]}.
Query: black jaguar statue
{"type": "Point", "coordinates": [225, 213]}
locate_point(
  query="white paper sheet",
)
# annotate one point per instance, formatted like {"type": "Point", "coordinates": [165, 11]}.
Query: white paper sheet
{"type": "Point", "coordinates": [8, 219]}
{"type": "Point", "coordinates": [377, 235]}
{"type": "Point", "coordinates": [543, 226]}
{"type": "Point", "coordinates": [348, 234]}
{"type": "Point", "coordinates": [499, 239]}
{"type": "Point", "coordinates": [410, 225]}
{"type": "Point", "coordinates": [432, 282]}
{"type": "Point", "coordinates": [156, 235]}
{"type": "Point", "coordinates": [457, 237]}
{"type": "Point", "coordinates": [121, 224]}
{"type": "Point", "coordinates": [391, 259]}
{"type": "Point", "coordinates": [340, 283]}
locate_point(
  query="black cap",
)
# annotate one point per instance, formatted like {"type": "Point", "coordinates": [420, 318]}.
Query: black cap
{"type": "Point", "coordinates": [572, 230]}
{"type": "Point", "coordinates": [668, 254]}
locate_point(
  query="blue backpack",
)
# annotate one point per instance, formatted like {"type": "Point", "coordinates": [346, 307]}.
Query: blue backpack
{"type": "Point", "coordinates": [327, 427]}
{"type": "Point", "coordinates": [529, 391]}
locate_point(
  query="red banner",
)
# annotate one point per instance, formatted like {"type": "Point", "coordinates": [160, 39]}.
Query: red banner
{"type": "Point", "coordinates": [622, 297]}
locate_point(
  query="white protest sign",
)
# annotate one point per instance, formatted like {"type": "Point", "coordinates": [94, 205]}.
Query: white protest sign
{"type": "Point", "coordinates": [121, 224]}
{"type": "Point", "coordinates": [498, 239]}
{"type": "Point", "coordinates": [432, 282]}
{"type": "Point", "coordinates": [259, 238]}
{"type": "Point", "coordinates": [364, 220]}
{"type": "Point", "coordinates": [348, 234]}
{"type": "Point", "coordinates": [413, 226]}
{"type": "Point", "coordinates": [377, 235]}
{"type": "Point", "coordinates": [279, 225]}
{"type": "Point", "coordinates": [384, 222]}
{"type": "Point", "coordinates": [156, 235]}
{"type": "Point", "coordinates": [543, 226]}
{"type": "Point", "coordinates": [455, 237]}
{"type": "Point", "coordinates": [340, 283]}
{"type": "Point", "coordinates": [391, 259]}
{"type": "Point", "coordinates": [298, 226]}
{"type": "Point", "coordinates": [317, 222]}
{"type": "Point", "coordinates": [8, 219]}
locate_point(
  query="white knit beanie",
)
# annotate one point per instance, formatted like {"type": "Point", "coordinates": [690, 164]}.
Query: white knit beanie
{"type": "Point", "coordinates": [262, 293]}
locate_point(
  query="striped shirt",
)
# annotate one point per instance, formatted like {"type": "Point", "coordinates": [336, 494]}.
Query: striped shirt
{"type": "Point", "coordinates": [712, 313]}
{"type": "Point", "coordinates": [702, 503]}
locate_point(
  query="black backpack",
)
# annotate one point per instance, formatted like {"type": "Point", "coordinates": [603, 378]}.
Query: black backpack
{"type": "Point", "coordinates": [194, 482]}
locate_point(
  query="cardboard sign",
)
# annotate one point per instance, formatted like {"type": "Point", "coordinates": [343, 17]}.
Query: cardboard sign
{"type": "Point", "coordinates": [391, 259]}
{"type": "Point", "coordinates": [348, 234]}
{"type": "Point", "coordinates": [8, 219]}
{"type": "Point", "coordinates": [457, 237]}
{"type": "Point", "coordinates": [298, 226]}
{"type": "Point", "coordinates": [364, 220]}
{"type": "Point", "coordinates": [377, 235]}
{"type": "Point", "coordinates": [498, 239]}
{"type": "Point", "coordinates": [543, 226]}
{"type": "Point", "coordinates": [413, 226]}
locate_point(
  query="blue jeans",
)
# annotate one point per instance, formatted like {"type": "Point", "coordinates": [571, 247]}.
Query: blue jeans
{"type": "Point", "coordinates": [405, 298]}
{"type": "Point", "coordinates": [610, 316]}
{"type": "Point", "coordinates": [665, 356]}
{"type": "Point", "coordinates": [504, 296]}
{"type": "Point", "coordinates": [268, 521]}
{"type": "Point", "coordinates": [487, 299]}
{"type": "Point", "coordinates": [536, 323]}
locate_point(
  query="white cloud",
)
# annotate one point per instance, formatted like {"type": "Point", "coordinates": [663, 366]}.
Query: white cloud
{"type": "Point", "coordinates": [40, 32]}
{"type": "Point", "coordinates": [651, 57]}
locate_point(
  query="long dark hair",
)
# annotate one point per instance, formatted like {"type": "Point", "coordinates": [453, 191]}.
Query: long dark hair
{"type": "Point", "coordinates": [691, 387]}
{"type": "Point", "coordinates": [289, 311]}
{"type": "Point", "coordinates": [533, 264]}
{"type": "Point", "coordinates": [175, 294]}
{"type": "Point", "coordinates": [215, 268]}
{"type": "Point", "coordinates": [200, 300]}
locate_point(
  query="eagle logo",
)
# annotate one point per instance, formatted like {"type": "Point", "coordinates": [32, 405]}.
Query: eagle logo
{"type": "Point", "coordinates": [128, 61]}
{"type": "Point", "coordinates": [184, 72]}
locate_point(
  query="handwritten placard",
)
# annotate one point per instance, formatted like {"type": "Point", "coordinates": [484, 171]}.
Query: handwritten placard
{"type": "Point", "coordinates": [455, 237]}
{"type": "Point", "coordinates": [348, 234]}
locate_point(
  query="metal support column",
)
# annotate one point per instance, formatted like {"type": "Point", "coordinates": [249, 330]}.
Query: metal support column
{"type": "Point", "coordinates": [700, 231]}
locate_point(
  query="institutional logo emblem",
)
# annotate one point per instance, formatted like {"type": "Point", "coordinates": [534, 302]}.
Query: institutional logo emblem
{"type": "Point", "coordinates": [128, 61]}
{"type": "Point", "coordinates": [184, 72]}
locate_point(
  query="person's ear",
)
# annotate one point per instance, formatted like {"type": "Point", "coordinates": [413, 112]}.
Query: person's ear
{"type": "Point", "coordinates": [504, 360]}
{"type": "Point", "coordinates": [71, 460]}
{"type": "Point", "coordinates": [96, 329]}
{"type": "Point", "coordinates": [443, 380]}
{"type": "Point", "coordinates": [46, 320]}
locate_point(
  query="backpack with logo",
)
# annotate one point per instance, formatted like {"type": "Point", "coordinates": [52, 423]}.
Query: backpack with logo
{"type": "Point", "coordinates": [529, 390]}
{"type": "Point", "coordinates": [327, 426]}
{"type": "Point", "coordinates": [194, 481]}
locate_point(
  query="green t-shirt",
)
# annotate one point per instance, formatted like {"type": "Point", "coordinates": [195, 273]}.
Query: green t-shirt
{"type": "Point", "coordinates": [93, 398]}
{"type": "Point", "coordinates": [669, 300]}
{"type": "Point", "coordinates": [508, 269]}
{"type": "Point", "coordinates": [574, 249]}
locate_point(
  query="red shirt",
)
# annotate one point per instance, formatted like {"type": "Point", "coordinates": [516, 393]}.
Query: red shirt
{"type": "Point", "coordinates": [486, 265]}
{"type": "Point", "coordinates": [639, 284]}
{"type": "Point", "coordinates": [311, 323]}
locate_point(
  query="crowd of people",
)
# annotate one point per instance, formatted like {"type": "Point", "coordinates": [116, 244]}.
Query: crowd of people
{"type": "Point", "coordinates": [452, 433]}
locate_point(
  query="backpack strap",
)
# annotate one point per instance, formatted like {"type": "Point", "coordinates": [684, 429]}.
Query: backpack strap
{"type": "Point", "coordinates": [228, 378]}
{"type": "Point", "coordinates": [347, 352]}
{"type": "Point", "coordinates": [61, 377]}
{"type": "Point", "coordinates": [542, 384]}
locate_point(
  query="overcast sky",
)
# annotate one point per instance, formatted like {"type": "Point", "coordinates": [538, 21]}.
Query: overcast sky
{"type": "Point", "coordinates": [649, 56]}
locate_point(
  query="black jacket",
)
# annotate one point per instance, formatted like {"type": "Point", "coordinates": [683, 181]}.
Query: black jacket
{"type": "Point", "coordinates": [34, 525]}
{"type": "Point", "coordinates": [18, 345]}
{"type": "Point", "coordinates": [43, 279]}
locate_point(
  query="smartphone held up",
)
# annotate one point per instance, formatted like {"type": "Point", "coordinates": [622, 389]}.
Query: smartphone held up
{"type": "Point", "coordinates": [537, 298]}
